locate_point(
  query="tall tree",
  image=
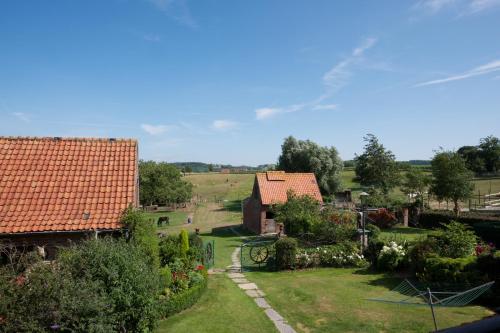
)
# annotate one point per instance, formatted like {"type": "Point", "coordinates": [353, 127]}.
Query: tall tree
{"type": "Point", "coordinates": [490, 150]}
{"type": "Point", "coordinates": [451, 180]}
{"type": "Point", "coordinates": [161, 183]}
{"type": "Point", "coordinates": [473, 158]}
{"type": "Point", "coordinates": [377, 166]}
{"type": "Point", "coordinates": [415, 182]}
{"type": "Point", "coordinates": [307, 156]}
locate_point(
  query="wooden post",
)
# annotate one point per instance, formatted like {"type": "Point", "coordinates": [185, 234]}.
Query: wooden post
{"type": "Point", "coordinates": [405, 216]}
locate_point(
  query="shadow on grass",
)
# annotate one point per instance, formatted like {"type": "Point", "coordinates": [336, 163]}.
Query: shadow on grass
{"type": "Point", "coordinates": [227, 231]}
{"type": "Point", "coordinates": [386, 280]}
{"type": "Point", "coordinates": [231, 206]}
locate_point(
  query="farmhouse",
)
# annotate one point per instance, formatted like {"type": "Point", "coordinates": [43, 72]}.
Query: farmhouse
{"type": "Point", "coordinates": [271, 188]}
{"type": "Point", "coordinates": [54, 191]}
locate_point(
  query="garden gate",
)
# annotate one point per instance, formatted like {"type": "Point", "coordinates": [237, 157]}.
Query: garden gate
{"type": "Point", "coordinates": [208, 253]}
{"type": "Point", "coordinates": [257, 254]}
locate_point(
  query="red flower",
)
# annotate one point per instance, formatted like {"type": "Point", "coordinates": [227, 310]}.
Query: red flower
{"type": "Point", "coordinates": [20, 280]}
{"type": "Point", "coordinates": [200, 267]}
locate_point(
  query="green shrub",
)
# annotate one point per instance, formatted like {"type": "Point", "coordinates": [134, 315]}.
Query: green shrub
{"type": "Point", "coordinates": [183, 300]}
{"type": "Point", "coordinates": [49, 296]}
{"type": "Point", "coordinates": [456, 241]}
{"type": "Point", "coordinates": [143, 233]}
{"type": "Point", "coordinates": [489, 264]}
{"type": "Point", "coordinates": [184, 241]}
{"type": "Point", "coordinates": [373, 249]}
{"type": "Point", "coordinates": [298, 214]}
{"type": "Point", "coordinates": [341, 255]}
{"type": "Point", "coordinates": [170, 249]}
{"type": "Point", "coordinates": [420, 251]}
{"type": "Point", "coordinates": [435, 218]}
{"type": "Point", "coordinates": [374, 231]}
{"type": "Point", "coordinates": [131, 283]}
{"type": "Point", "coordinates": [333, 233]}
{"type": "Point", "coordinates": [165, 277]}
{"type": "Point", "coordinates": [489, 231]}
{"type": "Point", "coordinates": [392, 256]}
{"type": "Point", "coordinates": [452, 271]}
{"type": "Point", "coordinates": [286, 250]}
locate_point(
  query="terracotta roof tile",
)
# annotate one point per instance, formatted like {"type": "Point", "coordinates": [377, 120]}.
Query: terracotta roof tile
{"type": "Point", "coordinates": [274, 186]}
{"type": "Point", "coordinates": [46, 184]}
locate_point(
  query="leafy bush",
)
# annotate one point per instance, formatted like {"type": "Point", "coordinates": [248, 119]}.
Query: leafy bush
{"type": "Point", "coordinates": [184, 242]}
{"type": "Point", "coordinates": [391, 256]}
{"type": "Point", "coordinates": [286, 250]}
{"type": "Point", "coordinates": [489, 264]}
{"type": "Point", "coordinates": [374, 231]}
{"type": "Point", "coordinates": [183, 300]}
{"type": "Point", "coordinates": [298, 214]}
{"type": "Point", "coordinates": [340, 255]}
{"type": "Point", "coordinates": [383, 218]}
{"type": "Point", "coordinates": [420, 251]}
{"type": "Point", "coordinates": [131, 283]}
{"type": "Point", "coordinates": [50, 298]}
{"type": "Point", "coordinates": [170, 249]}
{"type": "Point", "coordinates": [452, 270]}
{"type": "Point", "coordinates": [489, 231]}
{"type": "Point", "coordinates": [456, 241]}
{"type": "Point", "coordinates": [333, 233]}
{"type": "Point", "coordinates": [373, 249]}
{"type": "Point", "coordinates": [165, 277]}
{"type": "Point", "coordinates": [435, 218]}
{"type": "Point", "coordinates": [339, 216]}
{"type": "Point", "coordinates": [143, 233]}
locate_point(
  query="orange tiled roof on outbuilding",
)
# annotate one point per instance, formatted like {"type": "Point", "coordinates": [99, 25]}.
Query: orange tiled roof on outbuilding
{"type": "Point", "coordinates": [65, 184]}
{"type": "Point", "coordinates": [274, 186]}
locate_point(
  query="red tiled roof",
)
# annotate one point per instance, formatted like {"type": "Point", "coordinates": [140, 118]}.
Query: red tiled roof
{"type": "Point", "coordinates": [274, 186]}
{"type": "Point", "coordinates": [52, 184]}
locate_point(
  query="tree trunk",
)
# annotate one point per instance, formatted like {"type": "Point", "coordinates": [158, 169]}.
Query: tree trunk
{"type": "Point", "coordinates": [456, 209]}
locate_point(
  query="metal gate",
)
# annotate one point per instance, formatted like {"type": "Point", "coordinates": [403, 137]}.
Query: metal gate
{"type": "Point", "coordinates": [208, 259]}
{"type": "Point", "coordinates": [257, 255]}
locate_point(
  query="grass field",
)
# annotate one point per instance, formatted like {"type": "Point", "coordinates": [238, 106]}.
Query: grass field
{"type": "Point", "coordinates": [334, 300]}
{"type": "Point", "coordinates": [400, 233]}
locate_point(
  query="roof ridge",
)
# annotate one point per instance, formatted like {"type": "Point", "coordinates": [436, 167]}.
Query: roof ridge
{"type": "Point", "coordinates": [91, 139]}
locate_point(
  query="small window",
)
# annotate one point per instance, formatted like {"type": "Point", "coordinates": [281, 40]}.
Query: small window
{"type": "Point", "coordinates": [269, 215]}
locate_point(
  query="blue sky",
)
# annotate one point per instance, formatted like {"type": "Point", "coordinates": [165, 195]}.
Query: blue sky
{"type": "Point", "coordinates": [226, 81]}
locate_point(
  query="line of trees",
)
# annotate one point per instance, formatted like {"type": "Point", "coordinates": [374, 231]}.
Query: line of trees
{"type": "Point", "coordinates": [377, 169]}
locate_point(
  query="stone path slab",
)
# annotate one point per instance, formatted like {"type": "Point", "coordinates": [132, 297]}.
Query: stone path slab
{"type": "Point", "coordinates": [251, 289]}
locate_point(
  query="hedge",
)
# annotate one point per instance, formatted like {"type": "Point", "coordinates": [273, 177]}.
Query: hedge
{"type": "Point", "coordinates": [449, 270]}
{"type": "Point", "coordinates": [183, 300]}
{"type": "Point", "coordinates": [485, 226]}
{"type": "Point", "coordinates": [286, 251]}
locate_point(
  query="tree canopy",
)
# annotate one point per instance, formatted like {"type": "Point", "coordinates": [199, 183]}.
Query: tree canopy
{"type": "Point", "coordinates": [377, 166]}
{"type": "Point", "coordinates": [451, 180]}
{"type": "Point", "coordinates": [484, 157]}
{"type": "Point", "coordinates": [307, 156]}
{"type": "Point", "coordinates": [162, 183]}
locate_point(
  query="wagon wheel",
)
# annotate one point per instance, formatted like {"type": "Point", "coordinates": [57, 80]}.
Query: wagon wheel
{"type": "Point", "coordinates": [209, 252]}
{"type": "Point", "coordinates": [259, 254]}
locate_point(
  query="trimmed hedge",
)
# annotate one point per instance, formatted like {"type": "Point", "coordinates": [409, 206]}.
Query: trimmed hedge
{"type": "Point", "coordinates": [449, 270]}
{"type": "Point", "coordinates": [286, 252]}
{"type": "Point", "coordinates": [183, 300]}
{"type": "Point", "coordinates": [485, 226]}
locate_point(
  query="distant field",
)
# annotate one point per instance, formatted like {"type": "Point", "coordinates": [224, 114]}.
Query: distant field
{"type": "Point", "coordinates": [218, 186]}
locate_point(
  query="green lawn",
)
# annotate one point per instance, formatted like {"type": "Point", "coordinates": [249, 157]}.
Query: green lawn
{"type": "Point", "coordinates": [223, 308]}
{"type": "Point", "coordinates": [177, 217]}
{"type": "Point", "coordinates": [334, 300]}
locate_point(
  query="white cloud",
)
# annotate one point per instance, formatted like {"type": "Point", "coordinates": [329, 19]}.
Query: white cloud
{"type": "Point", "coordinates": [178, 10]}
{"type": "Point", "coordinates": [154, 38]}
{"type": "Point", "coordinates": [155, 129]}
{"type": "Point", "coordinates": [21, 116]}
{"type": "Point", "coordinates": [463, 7]}
{"type": "Point", "coordinates": [224, 125]}
{"type": "Point", "coordinates": [480, 70]}
{"type": "Point", "coordinates": [325, 107]}
{"type": "Point", "coordinates": [334, 79]}
{"type": "Point", "coordinates": [264, 113]}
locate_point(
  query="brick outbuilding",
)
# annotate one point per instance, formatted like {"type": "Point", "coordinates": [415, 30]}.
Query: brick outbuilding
{"type": "Point", "coordinates": [57, 190]}
{"type": "Point", "coordinates": [272, 188]}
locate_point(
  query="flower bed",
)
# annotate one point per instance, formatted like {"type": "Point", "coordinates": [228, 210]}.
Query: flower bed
{"type": "Point", "coordinates": [184, 299]}
{"type": "Point", "coordinates": [341, 255]}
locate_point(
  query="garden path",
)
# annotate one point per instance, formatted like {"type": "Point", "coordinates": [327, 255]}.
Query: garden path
{"type": "Point", "coordinates": [251, 289]}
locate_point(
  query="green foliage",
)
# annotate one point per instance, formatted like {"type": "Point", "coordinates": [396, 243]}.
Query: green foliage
{"type": "Point", "coordinates": [451, 270]}
{"type": "Point", "coordinates": [183, 300]}
{"type": "Point", "coordinates": [184, 242]}
{"type": "Point", "coordinates": [170, 249]}
{"type": "Point", "coordinates": [165, 277]}
{"type": "Point", "coordinates": [333, 233]}
{"type": "Point", "coordinates": [131, 283]}
{"type": "Point", "coordinates": [49, 296]}
{"type": "Point", "coordinates": [374, 231]}
{"type": "Point", "coordinates": [489, 264]}
{"type": "Point", "coordinates": [488, 231]}
{"type": "Point", "coordinates": [456, 241]}
{"type": "Point", "coordinates": [377, 166]}
{"type": "Point", "coordinates": [420, 251]}
{"type": "Point", "coordinates": [143, 233]}
{"type": "Point", "coordinates": [307, 156]}
{"type": "Point", "coordinates": [482, 158]}
{"type": "Point", "coordinates": [298, 214]}
{"type": "Point", "coordinates": [161, 183]}
{"type": "Point", "coordinates": [373, 249]}
{"type": "Point", "coordinates": [451, 180]}
{"type": "Point", "coordinates": [392, 256]}
{"type": "Point", "coordinates": [415, 181]}
{"type": "Point", "coordinates": [286, 250]}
